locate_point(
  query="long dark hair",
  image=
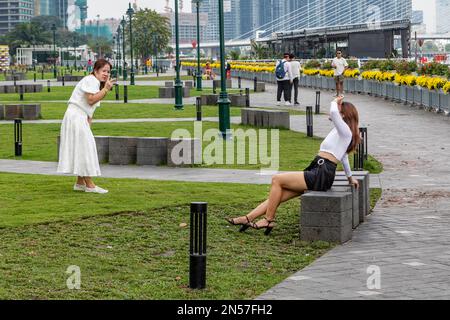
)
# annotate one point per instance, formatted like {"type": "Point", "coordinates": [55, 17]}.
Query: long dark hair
{"type": "Point", "coordinates": [351, 118]}
{"type": "Point", "coordinates": [100, 63]}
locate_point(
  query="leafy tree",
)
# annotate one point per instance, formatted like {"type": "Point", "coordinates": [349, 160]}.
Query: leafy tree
{"type": "Point", "coordinates": [234, 54]}
{"type": "Point", "coordinates": [151, 32]}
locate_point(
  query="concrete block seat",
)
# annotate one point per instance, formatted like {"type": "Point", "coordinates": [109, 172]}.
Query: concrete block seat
{"type": "Point", "coordinates": [265, 118]}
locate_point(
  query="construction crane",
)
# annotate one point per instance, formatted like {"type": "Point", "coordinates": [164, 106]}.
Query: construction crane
{"type": "Point", "coordinates": [167, 8]}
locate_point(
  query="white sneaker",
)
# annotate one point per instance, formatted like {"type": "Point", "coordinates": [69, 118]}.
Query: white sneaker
{"type": "Point", "coordinates": [278, 103]}
{"type": "Point", "coordinates": [79, 187]}
{"type": "Point", "coordinates": [287, 103]}
{"type": "Point", "coordinates": [97, 189]}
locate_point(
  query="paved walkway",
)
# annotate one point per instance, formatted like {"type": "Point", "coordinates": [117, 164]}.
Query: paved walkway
{"type": "Point", "coordinates": [406, 238]}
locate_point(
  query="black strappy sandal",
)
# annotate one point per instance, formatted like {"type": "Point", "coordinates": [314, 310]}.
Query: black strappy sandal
{"type": "Point", "coordinates": [268, 226]}
{"type": "Point", "coordinates": [244, 226]}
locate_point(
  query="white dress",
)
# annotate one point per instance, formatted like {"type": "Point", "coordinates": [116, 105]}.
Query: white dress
{"type": "Point", "coordinates": [77, 150]}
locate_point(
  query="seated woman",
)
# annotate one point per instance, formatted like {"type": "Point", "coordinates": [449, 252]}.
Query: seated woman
{"type": "Point", "coordinates": [210, 75]}
{"type": "Point", "coordinates": [319, 176]}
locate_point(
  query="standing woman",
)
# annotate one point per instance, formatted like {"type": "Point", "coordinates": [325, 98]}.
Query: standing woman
{"type": "Point", "coordinates": [78, 151]}
{"type": "Point", "coordinates": [319, 176]}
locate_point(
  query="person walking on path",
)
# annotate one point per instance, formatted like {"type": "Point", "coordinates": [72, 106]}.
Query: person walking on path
{"type": "Point", "coordinates": [320, 174]}
{"type": "Point", "coordinates": [340, 65]}
{"type": "Point", "coordinates": [295, 68]}
{"type": "Point", "coordinates": [283, 74]}
{"type": "Point", "coordinates": [78, 151]}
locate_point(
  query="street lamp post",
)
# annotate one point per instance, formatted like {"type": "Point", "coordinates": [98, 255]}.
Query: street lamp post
{"type": "Point", "coordinates": [130, 13]}
{"type": "Point", "coordinates": [123, 24]}
{"type": "Point", "coordinates": [224, 102]}
{"type": "Point", "coordinates": [119, 68]}
{"type": "Point", "coordinates": [75, 50]}
{"type": "Point", "coordinates": [54, 50]}
{"type": "Point", "coordinates": [155, 44]}
{"type": "Point", "coordinates": [178, 86]}
{"type": "Point", "coordinates": [199, 71]}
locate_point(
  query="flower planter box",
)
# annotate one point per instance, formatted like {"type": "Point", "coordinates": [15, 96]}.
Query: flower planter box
{"type": "Point", "coordinates": [367, 86]}
{"type": "Point", "coordinates": [417, 92]}
{"type": "Point", "coordinates": [308, 81]}
{"type": "Point", "coordinates": [350, 85]}
{"type": "Point", "coordinates": [435, 100]}
{"type": "Point", "coordinates": [396, 97]}
{"type": "Point", "coordinates": [410, 95]}
{"type": "Point", "coordinates": [324, 83]}
{"type": "Point", "coordinates": [331, 84]}
{"type": "Point", "coordinates": [402, 94]}
{"type": "Point", "coordinates": [445, 102]}
{"type": "Point", "coordinates": [390, 90]}
{"type": "Point", "coordinates": [302, 81]}
{"type": "Point", "coordinates": [384, 90]}
{"type": "Point", "coordinates": [359, 86]}
{"type": "Point", "coordinates": [426, 98]}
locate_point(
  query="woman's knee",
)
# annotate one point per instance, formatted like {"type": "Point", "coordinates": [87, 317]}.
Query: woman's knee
{"type": "Point", "coordinates": [276, 180]}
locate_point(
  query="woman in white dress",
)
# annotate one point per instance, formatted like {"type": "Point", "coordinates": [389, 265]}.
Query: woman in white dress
{"type": "Point", "coordinates": [78, 151]}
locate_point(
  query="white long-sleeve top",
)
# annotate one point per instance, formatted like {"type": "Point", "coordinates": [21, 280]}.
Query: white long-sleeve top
{"type": "Point", "coordinates": [338, 139]}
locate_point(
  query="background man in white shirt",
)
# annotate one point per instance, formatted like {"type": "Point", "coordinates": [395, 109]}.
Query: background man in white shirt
{"type": "Point", "coordinates": [295, 68]}
{"type": "Point", "coordinates": [340, 65]}
{"type": "Point", "coordinates": [284, 83]}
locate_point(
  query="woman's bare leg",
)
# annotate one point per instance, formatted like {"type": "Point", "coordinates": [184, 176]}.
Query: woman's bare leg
{"type": "Point", "coordinates": [286, 194]}
{"type": "Point", "coordinates": [80, 181]}
{"type": "Point", "coordinates": [291, 182]}
{"type": "Point", "coordinates": [89, 182]}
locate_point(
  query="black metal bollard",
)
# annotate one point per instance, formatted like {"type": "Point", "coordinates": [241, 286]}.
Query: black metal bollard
{"type": "Point", "coordinates": [197, 263]}
{"type": "Point", "coordinates": [63, 81]}
{"type": "Point", "coordinates": [247, 97]}
{"type": "Point", "coordinates": [42, 74]}
{"type": "Point", "coordinates": [317, 102]}
{"type": "Point", "coordinates": [34, 77]}
{"type": "Point", "coordinates": [309, 121]}
{"type": "Point", "coordinates": [255, 84]}
{"type": "Point", "coordinates": [363, 131]}
{"type": "Point", "coordinates": [239, 82]}
{"type": "Point", "coordinates": [125, 94]}
{"type": "Point", "coordinates": [48, 85]}
{"type": "Point", "coordinates": [15, 80]}
{"type": "Point", "coordinates": [18, 137]}
{"type": "Point", "coordinates": [117, 91]}
{"type": "Point", "coordinates": [198, 107]}
{"type": "Point", "coordinates": [194, 79]}
{"type": "Point", "coordinates": [361, 151]}
{"type": "Point", "coordinates": [214, 87]}
{"type": "Point", "coordinates": [21, 92]}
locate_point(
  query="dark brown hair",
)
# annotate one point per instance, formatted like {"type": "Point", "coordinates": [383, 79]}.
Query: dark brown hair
{"type": "Point", "coordinates": [351, 118]}
{"type": "Point", "coordinates": [100, 63]}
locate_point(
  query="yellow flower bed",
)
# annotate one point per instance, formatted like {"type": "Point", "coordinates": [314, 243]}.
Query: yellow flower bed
{"type": "Point", "coordinates": [311, 72]}
{"type": "Point", "coordinates": [327, 73]}
{"type": "Point", "coordinates": [351, 73]}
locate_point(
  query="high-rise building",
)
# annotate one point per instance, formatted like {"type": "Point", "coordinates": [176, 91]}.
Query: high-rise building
{"type": "Point", "coordinates": [442, 14]}
{"type": "Point", "coordinates": [42, 7]}
{"type": "Point", "coordinates": [188, 26]}
{"type": "Point", "coordinates": [14, 12]}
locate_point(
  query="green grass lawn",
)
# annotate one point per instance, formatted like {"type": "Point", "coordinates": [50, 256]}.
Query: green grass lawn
{"type": "Point", "coordinates": [134, 110]}
{"type": "Point", "coordinates": [47, 75]}
{"type": "Point", "coordinates": [64, 93]}
{"type": "Point", "coordinates": [131, 244]}
{"type": "Point", "coordinates": [39, 142]}
{"type": "Point", "coordinates": [162, 78]}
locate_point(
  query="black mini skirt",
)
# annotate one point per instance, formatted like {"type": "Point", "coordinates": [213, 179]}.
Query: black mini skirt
{"type": "Point", "coordinates": [319, 175]}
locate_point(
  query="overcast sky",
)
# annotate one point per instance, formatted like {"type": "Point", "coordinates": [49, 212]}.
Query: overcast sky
{"type": "Point", "coordinates": [116, 8]}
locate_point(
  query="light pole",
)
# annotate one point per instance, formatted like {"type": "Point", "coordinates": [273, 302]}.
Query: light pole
{"type": "Point", "coordinates": [199, 71]}
{"type": "Point", "coordinates": [178, 86]}
{"type": "Point", "coordinates": [224, 102]}
{"type": "Point", "coordinates": [130, 13]}
{"type": "Point", "coordinates": [54, 50]}
{"type": "Point", "coordinates": [118, 51]}
{"type": "Point", "coordinates": [155, 44]}
{"type": "Point", "coordinates": [123, 24]}
{"type": "Point", "coordinates": [75, 49]}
